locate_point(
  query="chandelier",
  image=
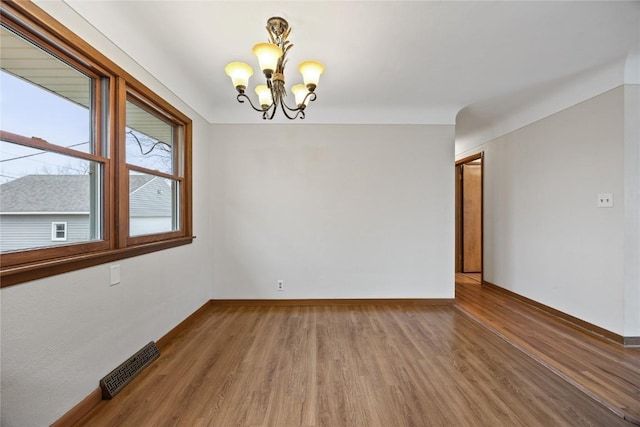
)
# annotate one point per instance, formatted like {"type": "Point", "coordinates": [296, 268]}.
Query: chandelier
{"type": "Point", "coordinates": [272, 58]}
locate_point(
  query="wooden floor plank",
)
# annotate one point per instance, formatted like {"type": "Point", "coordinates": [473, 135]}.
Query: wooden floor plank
{"type": "Point", "coordinates": [345, 366]}
{"type": "Point", "coordinates": [604, 370]}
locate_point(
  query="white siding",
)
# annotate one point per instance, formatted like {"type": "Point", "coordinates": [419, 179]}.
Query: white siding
{"type": "Point", "coordinates": [151, 208]}
{"type": "Point", "coordinates": [34, 231]}
{"type": "Point", "coordinates": [153, 199]}
{"type": "Point", "coordinates": [149, 225]}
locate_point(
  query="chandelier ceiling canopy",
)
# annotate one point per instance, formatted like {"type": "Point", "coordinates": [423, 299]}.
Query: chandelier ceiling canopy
{"type": "Point", "coordinates": [272, 58]}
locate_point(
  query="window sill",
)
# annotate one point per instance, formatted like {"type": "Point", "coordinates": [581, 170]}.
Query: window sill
{"type": "Point", "coordinates": [24, 273]}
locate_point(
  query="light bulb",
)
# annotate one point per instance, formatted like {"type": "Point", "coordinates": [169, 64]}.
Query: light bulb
{"type": "Point", "coordinates": [264, 96]}
{"type": "Point", "coordinates": [300, 91]}
{"type": "Point", "coordinates": [311, 71]}
{"type": "Point", "coordinates": [239, 73]}
{"type": "Point", "coordinates": [268, 55]}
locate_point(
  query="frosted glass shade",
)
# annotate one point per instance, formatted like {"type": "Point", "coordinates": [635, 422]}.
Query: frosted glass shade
{"type": "Point", "coordinates": [300, 91]}
{"type": "Point", "coordinates": [264, 95]}
{"type": "Point", "coordinates": [311, 71]}
{"type": "Point", "coordinates": [268, 55]}
{"type": "Point", "coordinates": [239, 73]}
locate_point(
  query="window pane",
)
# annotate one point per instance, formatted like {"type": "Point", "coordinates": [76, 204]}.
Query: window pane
{"type": "Point", "coordinates": [59, 231]}
{"type": "Point", "coordinates": [149, 140]}
{"type": "Point", "coordinates": [153, 202]}
{"type": "Point", "coordinates": [39, 188]}
{"type": "Point", "coordinates": [42, 96]}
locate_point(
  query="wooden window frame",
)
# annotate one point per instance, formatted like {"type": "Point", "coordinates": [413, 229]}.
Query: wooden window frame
{"type": "Point", "coordinates": [34, 24]}
{"type": "Point", "coordinates": [139, 100]}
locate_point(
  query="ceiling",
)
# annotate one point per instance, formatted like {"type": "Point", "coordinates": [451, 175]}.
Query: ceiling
{"type": "Point", "coordinates": [386, 61]}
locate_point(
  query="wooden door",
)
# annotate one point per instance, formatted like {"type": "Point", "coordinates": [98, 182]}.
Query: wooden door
{"type": "Point", "coordinates": [471, 226]}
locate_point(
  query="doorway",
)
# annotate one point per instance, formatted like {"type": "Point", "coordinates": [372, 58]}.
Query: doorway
{"type": "Point", "coordinates": [469, 221]}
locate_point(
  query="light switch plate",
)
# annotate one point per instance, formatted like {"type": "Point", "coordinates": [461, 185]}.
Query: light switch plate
{"type": "Point", "coordinates": [605, 200]}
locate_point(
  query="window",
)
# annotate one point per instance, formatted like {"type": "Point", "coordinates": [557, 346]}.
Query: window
{"type": "Point", "coordinates": [59, 231]}
{"type": "Point", "coordinates": [154, 171]}
{"type": "Point", "coordinates": [93, 166]}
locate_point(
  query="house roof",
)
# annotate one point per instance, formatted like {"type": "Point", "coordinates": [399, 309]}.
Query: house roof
{"type": "Point", "coordinates": [138, 181]}
{"type": "Point", "coordinates": [53, 193]}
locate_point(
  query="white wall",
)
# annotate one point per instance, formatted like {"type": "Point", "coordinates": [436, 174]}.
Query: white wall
{"type": "Point", "coordinates": [544, 236]}
{"type": "Point", "coordinates": [60, 335]}
{"type": "Point", "coordinates": [336, 211]}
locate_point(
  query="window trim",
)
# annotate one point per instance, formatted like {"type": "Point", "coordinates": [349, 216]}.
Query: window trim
{"type": "Point", "coordinates": [131, 95]}
{"type": "Point", "coordinates": [31, 22]}
{"type": "Point", "coordinates": [54, 231]}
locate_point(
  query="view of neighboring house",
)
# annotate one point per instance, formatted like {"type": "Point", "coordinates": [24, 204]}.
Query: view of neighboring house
{"type": "Point", "coordinates": [46, 210]}
{"type": "Point", "coordinates": [150, 205]}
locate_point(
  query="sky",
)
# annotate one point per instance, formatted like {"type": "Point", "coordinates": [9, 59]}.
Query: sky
{"type": "Point", "coordinates": [27, 110]}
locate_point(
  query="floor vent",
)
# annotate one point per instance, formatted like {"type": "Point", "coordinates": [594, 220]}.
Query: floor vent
{"type": "Point", "coordinates": [120, 377]}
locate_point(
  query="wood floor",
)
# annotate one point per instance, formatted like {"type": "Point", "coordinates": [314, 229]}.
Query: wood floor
{"type": "Point", "coordinates": [346, 366]}
{"type": "Point", "coordinates": [606, 371]}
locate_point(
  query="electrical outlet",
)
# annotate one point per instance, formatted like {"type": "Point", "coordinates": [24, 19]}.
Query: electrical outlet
{"type": "Point", "coordinates": [280, 285]}
{"type": "Point", "coordinates": [605, 200]}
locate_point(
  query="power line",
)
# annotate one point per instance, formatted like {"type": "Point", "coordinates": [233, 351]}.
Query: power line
{"type": "Point", "coordinates": [41, 152]}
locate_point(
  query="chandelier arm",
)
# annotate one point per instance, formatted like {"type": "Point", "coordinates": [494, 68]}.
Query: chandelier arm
{"type": "Point", "coordinates": [274, 104]}
{"type": "Point", "coordinates": [310, 95]}
{"type": "Point", "coordinates": [299, 111]}
{"type": "Point", "coordinates": [286, 107]}
{"type": "Point", "coordinates": [266, 116]}
{"type": "Point", "coordinates": [240, 100]}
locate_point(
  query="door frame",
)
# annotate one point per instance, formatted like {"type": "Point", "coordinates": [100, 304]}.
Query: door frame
{"type": "Point", "coordinates": [458, 209]}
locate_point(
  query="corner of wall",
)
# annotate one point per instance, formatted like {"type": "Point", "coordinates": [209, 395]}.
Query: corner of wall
{"type": "Point", "coordinates": [632, 208]}
{"type": "Point", "coordinates": [478, 124]}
